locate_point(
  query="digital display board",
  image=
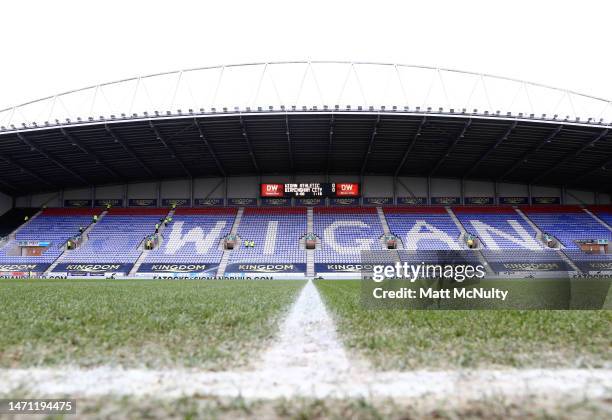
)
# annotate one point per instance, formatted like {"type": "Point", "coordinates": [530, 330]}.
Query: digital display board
{"type": "Point", "coordinates": [310, 190]}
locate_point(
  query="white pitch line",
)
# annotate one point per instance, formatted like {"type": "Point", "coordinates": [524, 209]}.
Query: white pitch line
{"type": "Point", "coordinates": [307, 360]}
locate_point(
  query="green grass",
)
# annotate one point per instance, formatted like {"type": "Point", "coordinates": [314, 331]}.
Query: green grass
{"type": "Point", "coordinates": [450, 339]}
{"type": "Point", "coordinates": [139, 323]}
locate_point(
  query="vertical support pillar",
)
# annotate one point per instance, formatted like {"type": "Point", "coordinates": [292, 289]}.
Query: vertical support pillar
{"type": "Point", "coordinates": [462, 191]}
{"type": "Point", "coordinates": [125, 194]}
{"type": "Point", "coordinates": [495, 194]}
{"type": "Point", "coordinates": [563, 194]}
{"type": "Point", "coordinates": [61, 198]}
{"type": "Point", "coordinates": [158, 193]}
{"type": "Point", "coordinates": [225, 193]}
{"type": "Point", "coordinates": [191, 203]}
{"type": "Point", "coordinates": [529, 193]}
{"type": "Point", "coordinates": [92, 195]}
{"type": "Point", "coordinates": [394, 190]}
{"type": "Point", "coordinates": [429, 190]}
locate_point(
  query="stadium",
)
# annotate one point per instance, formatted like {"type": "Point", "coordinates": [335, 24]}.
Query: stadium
{"type": "Point", "coordinates": [302, 176]}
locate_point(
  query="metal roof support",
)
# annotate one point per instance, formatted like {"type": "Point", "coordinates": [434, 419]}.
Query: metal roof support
{"type": "Point", "coordinates": [530, 153]}
{"type": "Point", "coordinates": [410, 146]}
{"type": "Point", "coordinates": [450, 148]}
{"type": "Point", "coordinates": [428, 190]}
{"type": "Point", "coordinates": [572, 155]}
{"type": "Point", "coordinates": [495, 145]}
{"type": "Point", "coordinates": [27, 171]}
{"type": "Point", "coordinates": [601, 166]}
{"type": "Point", "coordinates": [52, 159]}
{"type": "Point", "coordinates": [248, 142]}
{"type": "Point", "coordinates": [332, 124]}
{"type": "Point", "coordinates": [170, 148]}
{"type": "Point", "coordinates": [191, 203]}
{"type": "Point", "coordinates": [371, 145]}
{"type": "Point", "coordinates": [128, 150]}
{"type": "Point", "coordinates": [71, 138]}
{"type": "Point", "coordinates": [288, 132]}
{"type": "Point", "coordinates": [209, 147]}
{"type": "Point", "coordinates": [9, 189]}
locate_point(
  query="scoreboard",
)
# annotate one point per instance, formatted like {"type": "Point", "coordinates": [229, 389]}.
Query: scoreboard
{"type": "Point", "coordinates": [310, 190]}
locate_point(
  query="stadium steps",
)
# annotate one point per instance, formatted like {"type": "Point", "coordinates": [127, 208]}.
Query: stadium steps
{"type": "Point", "coordinates": [594, 216]}
{"type": "Point", "coordinates": [539, 233]}
{"type": "Point", "coordinates": [539, 236]}
{"type": "Point", "coordinates": [226, 253]}
{"type": "Point", "coordinates": [66, 253]}
{"type": "Point", "coordinates": [145, 252]}
{"type": "Point", "coordinates": [464, 233]}
{"type": "Point", "coordinates": [458, 224]}
{"type": "Point", "coordinates": [383, 220]}
{"type": "Point", "coordinates": [310, 253]}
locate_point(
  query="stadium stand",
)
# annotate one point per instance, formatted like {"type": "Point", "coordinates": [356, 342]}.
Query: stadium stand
{"type": "Point", "coordinates": [423, 228]}
{"type": "Point", "coordinates": [14, 218]}
{"type": "Point", "coordinates": [117, 236]}
{"type": "Point", "coordinates": [54, 225]}
{"type": "Point", "coordinates": [276, 234]}
{"type": "Point", "coordinates": [566, 223]}
{"type": "Point", "coordinates": [345, 232]}
{"type": "Point", "coordinates": [498, 227]}
{"type": "Point", "coordinates": [194, 235]}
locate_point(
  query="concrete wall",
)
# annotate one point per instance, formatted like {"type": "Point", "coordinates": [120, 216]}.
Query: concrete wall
{"type": "Point", "coordinates": [248, 187]}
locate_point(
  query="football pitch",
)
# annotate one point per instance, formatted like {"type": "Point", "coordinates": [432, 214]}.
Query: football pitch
{"type": "Point", "coordinates": [139, 323]}
{"type": "Point", "coordinates": [154, 331]}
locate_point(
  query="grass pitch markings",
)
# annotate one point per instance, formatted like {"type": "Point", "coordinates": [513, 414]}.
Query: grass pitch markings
{"type": "Point", "coordinates": [310, 375]}
{"type": "Point", "coordinates": [429, 339]}
{"type": "Point", "coordinates": [213, 325]}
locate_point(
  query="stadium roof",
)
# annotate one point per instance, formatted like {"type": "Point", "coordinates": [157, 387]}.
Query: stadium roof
{"type": "Point", "coordinates": [308, 117]}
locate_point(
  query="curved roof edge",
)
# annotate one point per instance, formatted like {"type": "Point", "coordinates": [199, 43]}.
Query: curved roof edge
{"type": "Point", "coordinates": [282, 85]}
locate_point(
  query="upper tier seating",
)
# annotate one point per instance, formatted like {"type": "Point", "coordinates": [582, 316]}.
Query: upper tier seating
{"type": "Point", "coordinates": [498, 227]}
{"type": "Point", "coordinates": [276, 233]}
{"type": "Point", "coordinates": [194, 236]}
{"type": "Point", "coordinates": [567, 224]}
{"type": "Point", "coordinates": [345, 232]}
{"type": "Point", "coordinates": [423, 227]}
{"type": "Point", "coordinates": [117, 236]}
{"type": "Point", "coordinates": [53, 225]}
